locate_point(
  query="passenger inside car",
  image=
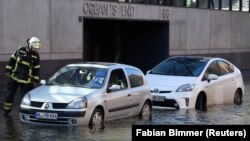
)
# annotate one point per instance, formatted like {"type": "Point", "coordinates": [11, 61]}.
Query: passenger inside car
{"type": "Point", "coordinates": [117, 77]}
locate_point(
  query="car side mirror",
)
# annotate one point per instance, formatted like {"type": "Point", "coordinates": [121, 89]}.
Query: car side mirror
{"type": "Point", "coordinates": [43, 82]}
{"type": "Point", "coordinates": [114, 87]}
{"type": "Point", "coordinates": [212, 77]}
{"type": "Point", "coordinates": [148, 71]}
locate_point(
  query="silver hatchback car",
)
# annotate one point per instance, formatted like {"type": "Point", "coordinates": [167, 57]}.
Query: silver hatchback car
{"type": "Point", "coordinates": [88, 94]}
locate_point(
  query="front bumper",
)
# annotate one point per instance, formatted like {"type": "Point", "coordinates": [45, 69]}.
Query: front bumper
{"type": "Point", "coordinates": [180, 100]}
{"type": "Point", "coordinates": [167, 103]}
{"type": "Point", "coordinates": [63, 117]}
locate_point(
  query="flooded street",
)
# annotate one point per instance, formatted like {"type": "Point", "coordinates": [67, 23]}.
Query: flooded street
{"type": "Point", "coordinates": [121, 130]}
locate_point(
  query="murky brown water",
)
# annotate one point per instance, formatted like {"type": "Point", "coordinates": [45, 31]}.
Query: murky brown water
{"type": "Point", "coordinates": [121, 130]}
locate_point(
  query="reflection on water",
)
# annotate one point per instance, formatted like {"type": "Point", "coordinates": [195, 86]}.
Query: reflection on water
{"type": "Point", "coordinates": [121, 130]}
{"type": "Point", "coordinates": [226, 114]}
{"type": "Point", "coordinates": [8, 129]}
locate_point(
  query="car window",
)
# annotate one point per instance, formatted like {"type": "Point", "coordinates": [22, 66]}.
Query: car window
{"type": "Point", "coordinates": [180, 67]}
{"type": "Point", "coordinates": [135, 77]}
{"type": "Point", "coordinates": [97, 80]}
{"type": "Point", "coordinates": [212, 69]}
{"type": "Point", "coordinates": [89, 77]}
{"type": "Point", "coordinates": [117, 77]}
{"type": "Point", "coordinates": [224, 67]}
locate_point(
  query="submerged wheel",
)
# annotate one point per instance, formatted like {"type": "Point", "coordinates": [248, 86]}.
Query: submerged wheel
{"type": "Point", "coordinates": [238, 97]}
{"type": "Point", "coordinates": [146, 111]}
{"type": "Point", "coordinates": [97, 119]}
{"type": "Point", "coordinates": [200, 102]}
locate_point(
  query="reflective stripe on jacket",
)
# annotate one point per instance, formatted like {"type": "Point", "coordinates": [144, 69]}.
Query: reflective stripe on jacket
{"type": "Point", "coordinates": [24, 65]}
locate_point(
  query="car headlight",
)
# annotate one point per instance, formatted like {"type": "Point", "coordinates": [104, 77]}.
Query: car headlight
{"type": "Point", "coordinates": [78, 103]}
{"type": "Point", "coordinates": [26, 100]}
{"type": "Point", "coordinates": [185, 88]}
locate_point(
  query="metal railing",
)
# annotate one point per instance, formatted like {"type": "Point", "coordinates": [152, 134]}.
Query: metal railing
{"type": "Point", "coordinates": [230, 5]}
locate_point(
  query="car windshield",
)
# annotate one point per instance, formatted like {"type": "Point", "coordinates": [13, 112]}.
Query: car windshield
{"type": "Point", "coordinates": [183, 66]}
{"type": "Point", "coordinates": [79, 76]}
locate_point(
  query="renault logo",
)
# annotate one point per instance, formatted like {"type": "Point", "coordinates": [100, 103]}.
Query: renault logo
{"type": "Point", "coordinates": [46, 106]}
{"type": "Point", "coordinates": [156, 90]}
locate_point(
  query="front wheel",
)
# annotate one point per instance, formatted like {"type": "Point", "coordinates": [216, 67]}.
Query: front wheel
{"type": "Point", "coordinates": [97, 119]}
{"type": "Point", "coordinates": [201, 103]}
{"type": "Point", "coordinates": [146, 111]}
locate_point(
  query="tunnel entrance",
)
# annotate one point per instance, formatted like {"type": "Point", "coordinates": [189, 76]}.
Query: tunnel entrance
{"type": "Point", "coordinates": [139, 43]}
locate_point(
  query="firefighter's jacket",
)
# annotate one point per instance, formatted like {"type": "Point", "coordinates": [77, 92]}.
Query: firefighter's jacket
{"type": "Point", "coordinates": [24, 65]}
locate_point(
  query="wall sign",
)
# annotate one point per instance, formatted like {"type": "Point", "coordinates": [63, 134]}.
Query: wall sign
{"type": "Point", "coordinates": [123, 11]}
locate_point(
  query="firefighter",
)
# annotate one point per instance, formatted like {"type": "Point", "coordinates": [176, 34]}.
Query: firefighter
{"type": "Point", "coordinates": [22, 71]}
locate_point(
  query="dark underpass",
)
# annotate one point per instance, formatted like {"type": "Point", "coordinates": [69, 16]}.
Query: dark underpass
{"type": "Point", "coordinates": [138, 43]}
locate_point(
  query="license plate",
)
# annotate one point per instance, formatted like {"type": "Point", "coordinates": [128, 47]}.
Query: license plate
{"type": "Point", "coordinates": [158, 98]}
{"type": "Point", "coordinates": [42, 115]}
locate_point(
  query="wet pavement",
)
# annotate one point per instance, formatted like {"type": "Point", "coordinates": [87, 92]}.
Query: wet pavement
{"type": "Point", "coordinates": [121, 130]}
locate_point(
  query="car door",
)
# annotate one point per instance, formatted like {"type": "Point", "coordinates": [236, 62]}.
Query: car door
{"type": "Point", "coordinates": [117, 99]}
{"type": "Point", "coordinates": [138, 91]}
{"type": "Point", "coordinates": [228, 81]}
{"type": "Point", "coordinates": [214, 88]}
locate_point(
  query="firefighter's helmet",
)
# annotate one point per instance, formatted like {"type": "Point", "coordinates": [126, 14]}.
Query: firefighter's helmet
{"type": "Point", "coordinates": [34, 42]}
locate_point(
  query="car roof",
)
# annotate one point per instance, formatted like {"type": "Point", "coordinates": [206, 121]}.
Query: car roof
{"type": "Point", "coordinates": [101, 64]}
{"type": "Point", "coordinates": [204, 58]}
{"type": "Point", "coordinates": [193, 57]}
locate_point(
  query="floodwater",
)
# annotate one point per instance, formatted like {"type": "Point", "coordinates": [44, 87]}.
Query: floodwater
{"type": "Point", "coordinates": [121, 130]}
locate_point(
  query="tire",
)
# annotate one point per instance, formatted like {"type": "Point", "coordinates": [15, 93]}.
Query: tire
{"type": "Point", "coordinates": [146, 111]}
{"type": "Point", "coordinates": [238, 97]}
{"type": "Point", "coordinates": [200, 103]}
{"type": "Point", "coordinates": [97, 120]}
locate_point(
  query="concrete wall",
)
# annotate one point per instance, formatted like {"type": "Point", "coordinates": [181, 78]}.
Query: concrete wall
{"type": "Point", "coordinates": [55, 22]}
{"type": "Point", "coordinates": [204, 31]}
{"type": "Point", "coordinates": [22, 19]}
{"type": "Point", "coordinates": [1, 27]}
{"type": "Point", "coordinates": [66, 37]}
{"type": "Point", "coordinates": [192, 31]}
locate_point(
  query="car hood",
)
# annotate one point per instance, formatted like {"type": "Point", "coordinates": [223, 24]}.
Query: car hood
{"type": "Point", "coordinates": [59, 94]}
{"type": "Point", "coordinates": [168, 80]}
